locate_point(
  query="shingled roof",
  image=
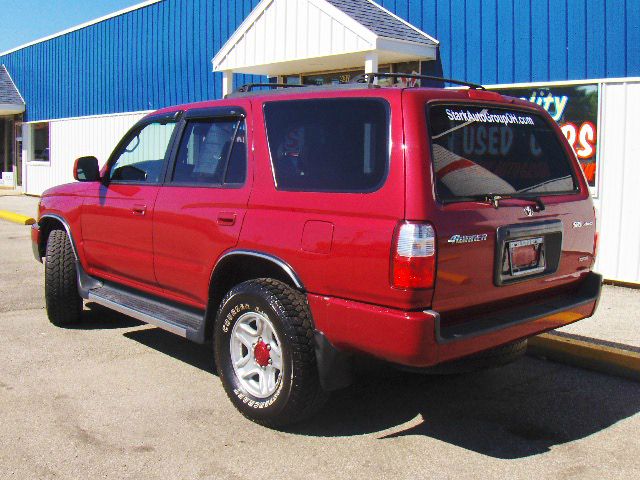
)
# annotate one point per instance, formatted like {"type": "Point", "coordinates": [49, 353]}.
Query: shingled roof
{"type": "Point", "coordinates": [380, 21]}
{"type": "Point", "coordinates": [9, 94]}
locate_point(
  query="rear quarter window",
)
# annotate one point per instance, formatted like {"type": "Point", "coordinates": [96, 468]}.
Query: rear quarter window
{"type": "Point", "coordinates": [329, 145]}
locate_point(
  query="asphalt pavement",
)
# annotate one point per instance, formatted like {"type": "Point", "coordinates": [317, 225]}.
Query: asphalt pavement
{"type": "Point", "coordinates": [114, 398]}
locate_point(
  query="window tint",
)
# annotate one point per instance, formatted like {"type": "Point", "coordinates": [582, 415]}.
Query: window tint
{"type": "Point", "coordinates": [211, 152]}
{"type": "Point", "coordinates": [143, 157]}
{"type": "Point", "coordinates": [480, 150]}
{"type": "Point", "coordinates": [328, 145]}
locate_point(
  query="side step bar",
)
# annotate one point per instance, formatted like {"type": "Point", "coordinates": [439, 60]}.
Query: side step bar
{"type": "Point", "coordinates": [183, 321]}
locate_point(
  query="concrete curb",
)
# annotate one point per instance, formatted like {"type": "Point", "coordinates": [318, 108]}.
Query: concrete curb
{"type": "Point", "coordinates": [592, 355]}
{"type": "Point", "coordinates": [16, 218]}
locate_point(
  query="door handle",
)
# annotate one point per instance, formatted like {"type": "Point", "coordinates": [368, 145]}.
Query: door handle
{"type": "Point", "coordinates": [226, 219]}
{"type": "Point", "coordinates": [139, 209]}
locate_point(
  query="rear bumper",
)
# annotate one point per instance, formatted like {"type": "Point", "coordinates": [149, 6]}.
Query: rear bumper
{"type": "Point", "coordinates": [35, 241]}
{"type": "Point", "coordinates": [422, 339]}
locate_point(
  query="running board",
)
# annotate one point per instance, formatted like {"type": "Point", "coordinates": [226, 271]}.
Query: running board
{"type": "Point", "coordinates": [183, 321]}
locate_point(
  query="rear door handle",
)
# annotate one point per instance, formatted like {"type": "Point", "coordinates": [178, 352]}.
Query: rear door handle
{"type": "Point", "coordinates": [227, 219]}
{"type": "Point", "coordinates": [139, 209]}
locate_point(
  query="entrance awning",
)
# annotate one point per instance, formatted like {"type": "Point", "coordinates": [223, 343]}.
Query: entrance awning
{"type": "Point", "coordinates": [285, 37]}
{"type": "Point", "coordinates": [11, 102]}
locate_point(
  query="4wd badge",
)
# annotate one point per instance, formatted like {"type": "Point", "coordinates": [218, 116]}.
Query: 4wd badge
{"type": "Point", "coordinates": [468, 238]}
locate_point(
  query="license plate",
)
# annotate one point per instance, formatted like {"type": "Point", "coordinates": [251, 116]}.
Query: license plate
{"type": "Point", "coordinates": [526, 256]}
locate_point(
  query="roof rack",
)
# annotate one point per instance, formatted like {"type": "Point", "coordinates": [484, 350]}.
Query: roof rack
{"type": "Point", "coordinates": [370, 77]}
{"type": "Point", "coordinates": [249, 87]}
{"type": "Point", "coordinates": [279, 88]}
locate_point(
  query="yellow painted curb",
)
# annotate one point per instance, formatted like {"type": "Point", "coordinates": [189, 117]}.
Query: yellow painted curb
{"type": "Point", "coordinates": [16, 218]}
{"type": "Point", "coordinates": [593, 356]}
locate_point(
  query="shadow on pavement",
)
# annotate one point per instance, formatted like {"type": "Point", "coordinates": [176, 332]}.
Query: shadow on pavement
{"type": "Point", "coordinates": [199, 356]}
{"type": "Point", "coordinates": [516, 411]}
{"type": "Point", "coordinates": [97, 317]}
{"type": "Point", "coordinates": [511, 412]}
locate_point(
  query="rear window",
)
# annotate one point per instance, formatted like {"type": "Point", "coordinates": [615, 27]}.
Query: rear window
{"type": "Point", "coordinates": [331, 145]}
{"type": "Point", "coordinates": [478, 150]}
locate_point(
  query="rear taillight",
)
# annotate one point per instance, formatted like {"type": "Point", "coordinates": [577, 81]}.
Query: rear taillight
{"type": "Point", "coordinates": [414, 256]}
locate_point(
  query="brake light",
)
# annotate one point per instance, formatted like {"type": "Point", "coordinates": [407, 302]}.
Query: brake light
{"type": "Point", "coordinates": [414, 256]}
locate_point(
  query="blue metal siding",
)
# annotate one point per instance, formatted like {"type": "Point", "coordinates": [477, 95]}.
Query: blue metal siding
{"type": "Point", "coordinates": [509, 41]}
{"type": "Point", "coordinates": [161, 55]}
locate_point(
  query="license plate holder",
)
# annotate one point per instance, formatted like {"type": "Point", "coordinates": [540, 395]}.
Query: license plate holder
{"type": "Point", "coordinates": [526, 256]}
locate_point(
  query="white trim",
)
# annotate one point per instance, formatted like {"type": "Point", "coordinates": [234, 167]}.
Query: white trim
{"type": "Point", "coordinates": [29, 159]}
{"type": "Point", "coordinates": [420, 51]}
{"type": "Point", "coordinates": [256, 13]}
{"type": "Point", "coordinates": [559, 83]}
{"type": "Point", "coordinates": [429, 37]}
{"type": "Point", "coordinates": [119, 114]}
{"type": "Point", "coordinates": [83, 25]}
{"type": "Point", "coordinates": [240, 31]}
{"type": "Point", "coordinates": [595, 190]}
{"type": "Point", "coordinates": [11, 109]}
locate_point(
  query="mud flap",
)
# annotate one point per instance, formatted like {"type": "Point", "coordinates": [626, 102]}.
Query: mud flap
{"type": "Point", "coordinates": [335, 368]}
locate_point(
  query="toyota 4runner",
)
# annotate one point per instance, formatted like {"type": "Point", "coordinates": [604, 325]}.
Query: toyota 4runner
{"type": "Point", "coordinates": [296, 228]}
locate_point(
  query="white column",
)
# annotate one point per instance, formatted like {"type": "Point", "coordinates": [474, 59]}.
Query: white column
{"type": "Point", "coordinates": [26, 155]}
{"type": "Point", "coordinates": [371, 64]}
{"type": "Point", "coordinates": [227, 82]}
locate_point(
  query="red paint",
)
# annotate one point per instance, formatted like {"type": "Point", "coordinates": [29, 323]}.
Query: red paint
{"type": "Point", "coordinates": [166, 240]}
{"type": "Point", "coordinates": [261, 354]}
{"type": "Point", "coordinates": [317, 237]}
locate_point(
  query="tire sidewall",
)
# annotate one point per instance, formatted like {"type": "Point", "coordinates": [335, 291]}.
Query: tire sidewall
{"type": "Point", "coordinates": [245, 299]}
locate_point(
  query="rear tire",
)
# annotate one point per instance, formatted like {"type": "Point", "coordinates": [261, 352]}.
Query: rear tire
{"type": "Point", "coordinates": [264, 349]}
{"type": "Point", "coordinates": [64, 304]}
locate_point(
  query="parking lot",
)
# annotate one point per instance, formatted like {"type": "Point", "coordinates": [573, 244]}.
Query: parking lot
{"type": "Point", "coordinates": [119, 399]}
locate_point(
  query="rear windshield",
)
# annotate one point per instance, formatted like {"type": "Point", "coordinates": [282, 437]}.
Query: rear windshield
{"type": "Point", "coordinates": [329, 145]}
{"type": "Point", "coordinates": [479, 150]}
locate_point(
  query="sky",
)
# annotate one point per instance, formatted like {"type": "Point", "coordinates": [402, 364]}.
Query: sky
{"type": "Point", "coordinates": [22, 21]}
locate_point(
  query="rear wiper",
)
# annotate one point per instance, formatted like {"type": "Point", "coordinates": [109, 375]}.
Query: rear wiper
{"type": "Point", "coordinates": [494, 199]}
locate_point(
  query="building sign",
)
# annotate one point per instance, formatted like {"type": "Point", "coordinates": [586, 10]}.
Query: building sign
{"type": "Point", "coordinates": [575, 108]}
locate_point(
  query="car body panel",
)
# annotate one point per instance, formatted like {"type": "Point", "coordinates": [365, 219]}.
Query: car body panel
{"type": "Point", "coordinates": [339, 245]}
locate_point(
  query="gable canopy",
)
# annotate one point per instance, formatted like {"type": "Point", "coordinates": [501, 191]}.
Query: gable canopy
{"type": "Point", "coordinates": [284, 37]}
{"type": "Point", "coordinates": [11, 102]}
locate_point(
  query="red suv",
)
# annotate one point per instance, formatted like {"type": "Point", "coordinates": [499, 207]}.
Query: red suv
{"type": "Point", "coordinates": [296, 228]}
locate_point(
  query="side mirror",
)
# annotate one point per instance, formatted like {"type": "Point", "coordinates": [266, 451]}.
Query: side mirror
{"type": "Point", "coordinates": [86, 169]}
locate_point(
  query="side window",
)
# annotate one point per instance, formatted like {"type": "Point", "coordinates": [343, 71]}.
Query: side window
{"type": "Point", "coordinates": [212, 152]}
{"type": "Point", "coordinates": [142, 159]}
{"type": "Point", "coordinates": [337, 145]}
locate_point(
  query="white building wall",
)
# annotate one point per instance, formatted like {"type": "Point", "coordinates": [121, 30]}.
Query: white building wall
{"type": "Point", "coordinates": [70, 139]}
{"type": "Point", "coordinates": [618, 197]}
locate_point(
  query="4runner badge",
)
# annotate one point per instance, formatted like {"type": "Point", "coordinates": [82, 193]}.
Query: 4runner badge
{"type": "Point", "coordinates": [468, 238]}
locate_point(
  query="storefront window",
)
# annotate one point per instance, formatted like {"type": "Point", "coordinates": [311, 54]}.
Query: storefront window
{"type": "Point", "coordinates": [575, 108]}
{"type": "Point", "coordinates": [346, 76]}
{"type": "Point", "coordinates": [334, 78]}
{"type": "Point", "coordinates": [40, 139]}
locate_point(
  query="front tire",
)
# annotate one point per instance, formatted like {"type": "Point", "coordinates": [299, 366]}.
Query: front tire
{"type": "Point", "coordinates": [64, 304]}
{"type": "Point", "coordinates": [264, 349]}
